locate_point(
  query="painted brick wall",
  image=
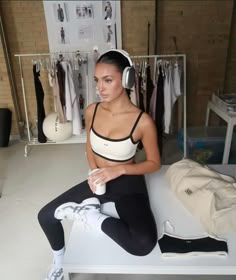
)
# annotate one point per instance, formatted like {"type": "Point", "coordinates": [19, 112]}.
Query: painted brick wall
{"type": "Point", "coordinates": [25, 29]}
{"type": "Point", "coordinates": [5, 91]}
{"type": "Point", "coordinates": [230, 75]}
{"type": "Point", "coordinates": [201, 28]}
{"type": "Point", "coordinates": [135, 18]}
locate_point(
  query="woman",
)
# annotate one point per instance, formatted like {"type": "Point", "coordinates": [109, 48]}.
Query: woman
{"type": "Point", "coordinates": [114, 128]}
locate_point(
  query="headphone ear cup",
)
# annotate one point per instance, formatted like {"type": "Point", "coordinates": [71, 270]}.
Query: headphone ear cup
{"type": "Point", "coordinates": [128, 77]}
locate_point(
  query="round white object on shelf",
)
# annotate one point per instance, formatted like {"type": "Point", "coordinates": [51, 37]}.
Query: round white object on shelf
{"type": "Point", "coordinates": [56, 131]}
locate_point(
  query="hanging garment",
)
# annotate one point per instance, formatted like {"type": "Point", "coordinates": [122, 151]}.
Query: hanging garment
{"type": "Point", "coordinates": [207, 194]}
{"type": "Point", "coordinates": [61, 83]}
{"type": "Point", "coordinates": [153, 101]}
{"type": "Point", "coordinates": [139, 97]}
{"type": "Point", "coordinates": [136, 86]}
{"type": "Point", "coordinates": [159, 114]}
{"type": "Point", "coordinates": [177, 80]}
{"type": "Point", "coordinates": [140, 91]}
{"type": "Point", "coordinates": [143, 85]}
{"type": "Point", "coordinates": [171, 93]}
{"type": "Point", "coordinates": [149, 87]}
{"type": "Point", "coordinates": [40, 106]}
{"type": "Point", "coordinates": [172, 245]}
{"type": "Point", "coordinates": [133, 92]}
{"type": "Point", "coordinates": [139, 84]}
{"type": "Point", "coordinates": [53, 81]}
{"type": "Point", "coordinates": [71, 99]}
{"type": "Point", "coordinates": [169, 97]}
{"type": "Point", "coordinates": [133, 98]}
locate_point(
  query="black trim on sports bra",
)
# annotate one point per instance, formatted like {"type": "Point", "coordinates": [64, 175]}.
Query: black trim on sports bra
{"type": "Point", "coordinates": [113, 140]}
{"type": "Point", "coordinates": [94, 113]}
{"type": "Point", "coordinates": [115, 160]}
{"type": "Point", "coordinates": [135, 124]}
{"type": "Point", "coordinates": [121, 139]}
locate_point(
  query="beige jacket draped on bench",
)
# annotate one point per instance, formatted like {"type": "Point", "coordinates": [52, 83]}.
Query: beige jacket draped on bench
{"type": "Point", "coordinates": [207, 194]}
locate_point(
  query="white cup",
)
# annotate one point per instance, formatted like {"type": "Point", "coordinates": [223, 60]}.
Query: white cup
{"type": "Point", "coordinates": [100, 188]}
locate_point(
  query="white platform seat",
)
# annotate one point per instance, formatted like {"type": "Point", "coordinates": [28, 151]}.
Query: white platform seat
{"type": "Point", "coordinates": [90, 252]}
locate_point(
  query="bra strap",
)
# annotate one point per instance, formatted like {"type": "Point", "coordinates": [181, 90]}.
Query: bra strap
{"type": "Point", "coordinates": [94, 113]}
{"type": "Point", "coordinates": [136, 122]}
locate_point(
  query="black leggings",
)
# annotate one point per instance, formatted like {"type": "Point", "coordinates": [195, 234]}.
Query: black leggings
{"type": "Point", "coordinates": [135, 231]}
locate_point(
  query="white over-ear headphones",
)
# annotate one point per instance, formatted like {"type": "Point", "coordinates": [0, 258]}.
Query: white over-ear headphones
{"type": "Point", "coordinates": [128, 75]}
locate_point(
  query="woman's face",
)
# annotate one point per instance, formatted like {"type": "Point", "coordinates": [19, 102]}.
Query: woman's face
{"type": "Point", "coordinates": [108, 81]}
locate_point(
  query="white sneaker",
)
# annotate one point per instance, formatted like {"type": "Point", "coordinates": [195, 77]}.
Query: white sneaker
{"type": "Point", "coordinates": [55, 274]}
{"type": "Point", "coordinates": [75, 211]}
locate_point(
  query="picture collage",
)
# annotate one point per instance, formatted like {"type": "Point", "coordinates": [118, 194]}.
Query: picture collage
{"type": "Point", "coordinates": [83, 21]}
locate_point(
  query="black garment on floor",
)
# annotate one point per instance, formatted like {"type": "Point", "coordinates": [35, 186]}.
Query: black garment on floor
{"type": "Point", "coordinates": [160, 109]}
{"type": "Point", "coordinates": [40, 107]}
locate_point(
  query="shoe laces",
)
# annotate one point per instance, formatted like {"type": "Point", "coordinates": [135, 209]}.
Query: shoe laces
{"type": "Point", "coordinates": [81, 212]}
{"type": "Point", "coordinates": [57, 274]}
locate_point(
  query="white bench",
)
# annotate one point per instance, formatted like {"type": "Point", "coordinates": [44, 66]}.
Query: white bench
{"type": "Point", "coordinates": [89, 252]}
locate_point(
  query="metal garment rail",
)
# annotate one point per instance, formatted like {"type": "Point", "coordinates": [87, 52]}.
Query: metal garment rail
{"type": "Point", "coordinates": [33, 141]}
{"type": "Point", "coordinates": [82, 138]}
{"type": "Point", "coordinates": [183, 56]}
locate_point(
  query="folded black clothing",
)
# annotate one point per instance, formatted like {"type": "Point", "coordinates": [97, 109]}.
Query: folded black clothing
{"type": "Point", "coordinates": [173, 246]}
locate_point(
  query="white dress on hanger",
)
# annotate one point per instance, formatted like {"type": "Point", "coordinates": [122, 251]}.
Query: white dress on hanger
{"type": "Point", "coordinates": [171, 92]}
{"type": "Point", "coordinates": [71, 99]}
{"type": "Point", "coordinates": [53, 82]}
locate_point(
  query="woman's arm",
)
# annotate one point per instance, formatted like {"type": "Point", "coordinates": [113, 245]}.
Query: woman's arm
{"type": "Point", "coordinates": [150, 146]}
{"type": "Point", "coordinates": [88, 119]}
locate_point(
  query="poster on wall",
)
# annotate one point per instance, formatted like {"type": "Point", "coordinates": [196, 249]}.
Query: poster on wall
{"type": "Point", "coordinates": [79, 31]}
{"type": "Point", "coordinates": [81, 25]}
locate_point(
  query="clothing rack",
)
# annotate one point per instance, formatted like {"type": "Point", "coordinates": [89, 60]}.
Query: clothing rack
{"type": "Point", "coordinates": [82, 138]}
{"type": "Point", "coordinates": [31, 140]}
{"type": "Point", "coordinates": [183, 57]}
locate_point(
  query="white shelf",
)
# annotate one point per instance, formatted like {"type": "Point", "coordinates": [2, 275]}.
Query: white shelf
{"type": "Point", "coordinates": [75, 139]}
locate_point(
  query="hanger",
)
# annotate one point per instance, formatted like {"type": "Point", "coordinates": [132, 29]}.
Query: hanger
{"type": "Point", "coordinates": [37, 64]}
{"type": "Point", "coordinates": [60, 57]}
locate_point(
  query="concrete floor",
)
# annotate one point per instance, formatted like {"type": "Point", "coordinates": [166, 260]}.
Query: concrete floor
{"type": "Point", "coordinates": [26, 184]}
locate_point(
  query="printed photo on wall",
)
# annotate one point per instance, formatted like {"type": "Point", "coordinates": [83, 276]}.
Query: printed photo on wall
{"type": "Point", "coordinates": [109, 34]}
{"type": "Point", "coordinates": [107, 10]}
{"type": "Point", "coordinates": [59, 11]}
{"type": "Point", "coordinates": [63, 35]}
{"type": "Point", "coordinates": [84, 11]}
{"type": "Point", "coordinates": [85, 32]}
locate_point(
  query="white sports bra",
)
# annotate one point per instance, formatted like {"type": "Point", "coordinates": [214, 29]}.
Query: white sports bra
{"type": "Point", "coordinates": [122, 149]}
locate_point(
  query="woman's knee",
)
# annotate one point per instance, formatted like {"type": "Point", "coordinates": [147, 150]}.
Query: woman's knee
{"type": "Point", "coordinates": [144, 244]}
{"type": "Point", "coordinates": [45, 215]}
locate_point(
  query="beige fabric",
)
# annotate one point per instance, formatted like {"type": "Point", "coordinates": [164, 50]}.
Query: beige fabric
{"type": "Point", "coordinates": [53, 82]}
{"type": "Point", "coordinates": [207, 194]}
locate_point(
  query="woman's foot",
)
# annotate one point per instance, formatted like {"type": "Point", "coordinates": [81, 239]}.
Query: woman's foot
{"type": "Point", "coordinates": [77, 211]}
{"type": "Point", "coordinates": [87, 213]}
{"type": "Point", "coordinates": [55, 273]}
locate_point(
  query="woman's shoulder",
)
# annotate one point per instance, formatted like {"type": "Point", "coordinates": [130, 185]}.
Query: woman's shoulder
{"type": "Point", "coordinates": [145, 116]}
{"type": "Point", "coordinates": [90, 108]}
{"type": "Point", "coordinates": [146, 120]}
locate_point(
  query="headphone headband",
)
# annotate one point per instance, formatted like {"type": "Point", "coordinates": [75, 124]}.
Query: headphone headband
{"type": "Point", "coordinates": [128, 75]}
{"type": "Point", "coordinates": [124, 53]}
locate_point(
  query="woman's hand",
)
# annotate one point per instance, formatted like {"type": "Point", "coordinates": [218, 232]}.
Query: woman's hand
{"type": "Point", "coordinates": [103, 175]}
